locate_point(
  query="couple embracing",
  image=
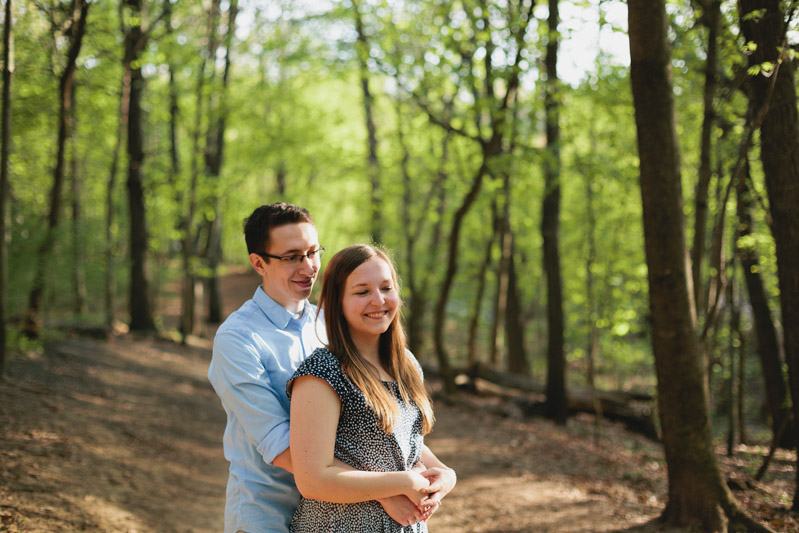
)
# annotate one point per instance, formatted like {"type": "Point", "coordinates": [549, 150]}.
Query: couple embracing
{"type": "Point", "coordinates": [340, 376]}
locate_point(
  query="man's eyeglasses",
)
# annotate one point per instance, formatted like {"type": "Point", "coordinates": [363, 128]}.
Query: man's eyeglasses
{"type": "Point", "coordinates": [295, 259]}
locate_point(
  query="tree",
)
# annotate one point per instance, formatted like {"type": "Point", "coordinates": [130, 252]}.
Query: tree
{"type": "Point", "coordinates": [75, 29]}
{"type": "Point", "coordinates": [5, 150]}
{"type": "Point", "coordinates": [711, 16]}
{"type": "Point", "coordinates": [764, 23]}
{"type": "Point", "coordinates": [768, 346]}
{"type": "Point", "coordinates": [556, 406]}
{"type": "Point", "coordinates": [697, 494]}
{"type": "Point", "coordinates": [141, 315]}
{"type": "Point", "coordinates": [214, 156]}
{"type": "Point", "coordinates": [494, 89]}
{"type": "Point", "coordinates": [373, 164]}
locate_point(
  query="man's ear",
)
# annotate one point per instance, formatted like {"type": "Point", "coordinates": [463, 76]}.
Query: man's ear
{"type": "Point", "coordinates": [257, 263]}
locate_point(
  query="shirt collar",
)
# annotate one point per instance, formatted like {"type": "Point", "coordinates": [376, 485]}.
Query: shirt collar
{"type": "Point", "coordinates": [275, 312]}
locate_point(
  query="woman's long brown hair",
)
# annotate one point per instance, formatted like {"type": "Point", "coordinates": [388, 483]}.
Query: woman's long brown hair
{"type": "Point", "coordinates": [392, 347]}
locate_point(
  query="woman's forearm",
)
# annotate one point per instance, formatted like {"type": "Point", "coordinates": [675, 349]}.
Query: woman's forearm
{"type": "Point", "coordinates": [338, 484]}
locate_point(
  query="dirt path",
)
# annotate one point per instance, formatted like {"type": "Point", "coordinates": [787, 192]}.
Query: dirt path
{"type": "Point", "coordinates": [125, 436]}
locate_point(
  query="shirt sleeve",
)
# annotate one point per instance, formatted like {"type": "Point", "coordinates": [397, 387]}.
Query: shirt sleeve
{"type": "Point", "coordinates": [249, 394]}
{"type": "Point", "coordinates": [321, 364]}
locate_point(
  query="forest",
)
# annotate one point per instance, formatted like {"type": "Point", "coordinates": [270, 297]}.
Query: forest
{"type": "Point", "coordinates": [593, 199]}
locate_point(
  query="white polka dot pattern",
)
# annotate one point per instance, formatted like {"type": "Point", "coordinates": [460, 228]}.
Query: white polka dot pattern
{"type": "Point", "coordinates": [362, 444]}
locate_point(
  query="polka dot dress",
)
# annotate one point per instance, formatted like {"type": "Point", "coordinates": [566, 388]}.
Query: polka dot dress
{"type": "Point", "coordinates": [362, 444]}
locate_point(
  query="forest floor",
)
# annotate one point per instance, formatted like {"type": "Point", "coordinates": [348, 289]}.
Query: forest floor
{"type": "Point", "coordinates": [125, 435]}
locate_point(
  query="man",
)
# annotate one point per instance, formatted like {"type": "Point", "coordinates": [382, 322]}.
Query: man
{"type": "Point", "coordinates": [256, 350]}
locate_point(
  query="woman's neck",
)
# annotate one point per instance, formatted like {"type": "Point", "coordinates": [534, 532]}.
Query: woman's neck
{"type": "Point", "coordinates": [369, 349]}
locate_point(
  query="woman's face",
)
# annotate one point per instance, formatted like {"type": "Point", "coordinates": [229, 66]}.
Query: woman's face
{"type": "Point", "coordinates": [370, 300]}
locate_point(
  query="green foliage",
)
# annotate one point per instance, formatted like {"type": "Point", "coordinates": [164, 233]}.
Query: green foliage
{"type": "Point", "coordinates": [295, 131]}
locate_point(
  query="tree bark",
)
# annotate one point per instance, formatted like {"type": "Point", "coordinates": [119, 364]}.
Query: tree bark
{"type": "Point", "coordinates": [80, 10]}
{"type": "Point", "coordinates": [5, 150]}
{"type": "Point", "coordinates": [767, 342]}
{"type": "Point", "coordinates": [550, 230]}
{"type": "Point", "coordinates": [697, 494]}
{"type": "Point", "coordinates": [141, 317]}
{"type": "Point", "coordinates": [775, 95]}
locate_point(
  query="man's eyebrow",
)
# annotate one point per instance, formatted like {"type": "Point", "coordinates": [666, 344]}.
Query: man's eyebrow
{"type": "Point", "coordinates": [297, 251]}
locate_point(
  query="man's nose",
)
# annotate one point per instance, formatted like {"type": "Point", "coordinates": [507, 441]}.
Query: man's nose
{"type": "Point", "coordinates": [308, 264]}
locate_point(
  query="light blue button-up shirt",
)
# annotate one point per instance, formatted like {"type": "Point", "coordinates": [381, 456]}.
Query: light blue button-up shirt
{"type": "Point", "coordinates": [256, 351]}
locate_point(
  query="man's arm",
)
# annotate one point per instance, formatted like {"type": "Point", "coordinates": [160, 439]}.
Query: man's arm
{"type": "Point", "coordinates": [242, 383]}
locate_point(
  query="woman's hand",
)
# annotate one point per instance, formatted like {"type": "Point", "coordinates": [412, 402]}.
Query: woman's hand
{"type": "Point", "coordinates": [442, 481]}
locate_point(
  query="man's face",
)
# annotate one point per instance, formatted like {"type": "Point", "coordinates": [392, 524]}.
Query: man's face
{"type": "Point", "coordinates": [289, 283]}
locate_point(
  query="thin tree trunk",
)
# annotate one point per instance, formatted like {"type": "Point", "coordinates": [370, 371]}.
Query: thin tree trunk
{"type": "Point", "coordinates": [174, 118]}
{"type": "Point", "coordinates": [775, 95]}
{"type": "Point", "coordinates": [697, 493]}
{"type": "Point", "coordinates": [215, 156]}
{"type": "Point", "coordinates": [514, 321]}
{"type": "Point", "coordinates": [767, 341]}
{"type": "Point", "coordinates": [474, 320]}
{"type": "Point", "coordinates": [496, 337]}
{"type": "Point", "coordinates": [449, 277]}
{"type": "Point", "coordinates": [80, 10]}
{"type": "Point", "coordinates": [592, 349]}
{"type": "Point", "coordinates": [141, 316]}
{"type": "Point", "coordinates": [556, 401]}
{"type": "Point", "coordinates": [80, 306]}
{"type": "Point", "coordinates": [190, 236]}
{"type": "Point", "coordinates": [731, 360]}
{"type": "Point", "coordinates": [711, 16]}
{"type": "Point", "coordinates": [5, 150]}
{"type": "Point", "coordinates": [373, 166]}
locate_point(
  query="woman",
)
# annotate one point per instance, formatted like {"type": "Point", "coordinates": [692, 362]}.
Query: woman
{"type": "Point", "coordinates": [362, 401]}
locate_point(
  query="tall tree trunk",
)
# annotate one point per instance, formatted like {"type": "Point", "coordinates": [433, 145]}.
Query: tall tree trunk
{"type": "Point", "coordinates": [80, 306]}
{"type": "Point", "coordinates": [141, 316]}
{"type": "Point", "coordinates": [190, 235]}
{"type": "Point", "coordinates": [711, 16]}
{"type": "Point", "coordinates": [492, 148]}
{"type": "Point", "coordinates": [110, 284]}
{"type": "Point", "coordinates": [556, 401]}
{"type": "Point", "coordinates": [474, 320]}
{"type": "Point", "coordinates": [5, 150]}
{"type": "Point", "coordinates": [449, 277]}
{"type": "Point", "coordinates": [514, 321]}
{"type": "Point", "coordinates": [174, 118]}
{"type": "Point", "coordinates": [592, 347]}
{"type": "Point", "coordinates": [768, 345]}
{"type": "Point", "coordinates": [376, 201]}
{"type": "Point", "coordinates": [697, 494]}
{"type": "Point", "coordinates": [496, 338]}
{"type": "Point", "coordinates": [215, 151]}
{"type": "Point", "coordinates": [80, 10]}
{"type": "Point", "coordinates": [775, 95]}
